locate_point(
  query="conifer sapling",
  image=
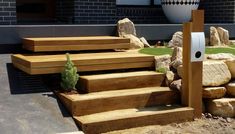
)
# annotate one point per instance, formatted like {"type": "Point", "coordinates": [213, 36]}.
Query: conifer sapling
{"type": "Point", "coordinates": [69, 75]}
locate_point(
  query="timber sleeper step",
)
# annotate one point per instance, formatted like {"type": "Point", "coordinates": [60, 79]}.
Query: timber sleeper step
{"type": "Point", "coordinates": [75, 43]}
{"type": "Point", "coordinates": [84, 104]}
{"type": "Point", "coordinates": [116, 81]}
{"type": "Point", "coordinates": [134, 117]}
{"type": "Point", "coordinates": [49, 64]}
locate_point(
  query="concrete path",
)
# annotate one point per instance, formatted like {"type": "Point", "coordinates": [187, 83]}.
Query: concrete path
{"type": "Point", "coordinates": [27, 106]}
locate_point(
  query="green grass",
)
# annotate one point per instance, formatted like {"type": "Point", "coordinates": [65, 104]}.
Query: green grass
{"type": "Point", "coordinates": [156, 51]}
{"type": "Point", "coordinates": [163, 51]}
{"type": "Point", "coordinates": [233, 46]}
{"type": "Point", "coordinates": [220, 50]}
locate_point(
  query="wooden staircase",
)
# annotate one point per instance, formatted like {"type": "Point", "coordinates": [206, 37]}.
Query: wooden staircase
{"type": "Point", "coordinates": [112, 100]}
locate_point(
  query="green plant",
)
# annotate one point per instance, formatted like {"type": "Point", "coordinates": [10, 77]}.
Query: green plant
{"type": "Point", "coordinates": [162, 70]}
{"type": "Point", "coordinates": [69, 75]}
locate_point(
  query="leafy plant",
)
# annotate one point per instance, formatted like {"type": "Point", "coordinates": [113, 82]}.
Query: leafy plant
{"type": "Point", "coordinates": [69, 76]}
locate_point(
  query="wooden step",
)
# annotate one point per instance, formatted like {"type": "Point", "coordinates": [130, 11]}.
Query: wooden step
{"type": "Point", "coordinates": [75, 43]}
{"type": "Point", "coordinates": [135, 117]}
{"type": "Point", "coordinates": [83, 104]}
{"type": "Point", "coordinates": [116, 81]}
{"type": "Point", "coordinates": [49, 64]}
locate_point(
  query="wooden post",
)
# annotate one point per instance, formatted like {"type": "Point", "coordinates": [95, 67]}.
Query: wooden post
{"type": "Point", "coordinates": [192, 75]}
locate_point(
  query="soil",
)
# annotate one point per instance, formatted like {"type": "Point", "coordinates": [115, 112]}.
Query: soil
{"type": "Point", "coordinates": [208, 124]}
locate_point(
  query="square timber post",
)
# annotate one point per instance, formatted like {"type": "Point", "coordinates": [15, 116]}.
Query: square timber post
{"type": "Point", "coordinates": [191, 94]}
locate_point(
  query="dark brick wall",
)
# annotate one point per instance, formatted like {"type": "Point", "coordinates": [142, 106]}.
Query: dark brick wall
{"type": "Point", "coordinates": [107, 12]}
{"type": "Point", "coordinates": [219, 11]}
{"type": "Point", "coordinates": [7, 12]}
{"type": "Point", "coordinates": [65, 11]}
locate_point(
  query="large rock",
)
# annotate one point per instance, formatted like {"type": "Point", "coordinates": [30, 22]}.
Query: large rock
{"type": "Point", "coordinates": [177, 40]}
{"type": "Point", "coordinates": [214, 37]}
{"type": "Point", "coordinates": [162, 62]}
{"type": "Point", "coordinates": [215, 73]}
{"type": "Point", "coordinates": [224, 107]}
{"type": "Point", "coordinates": [231, 88]}
{"type": "Point", "coordinates": [126, 26]}
{"type": "Point", "coordinates": [231, 67]}
{"type": "Point", "coordinates": [214, 92]}
{"type": "Point", "coordinates": [135, 42]}
{"type": "Point", "coordinates": [176, 59]}
{"type": "Point", "coordinates": [224, 35]}
{"type": "Point", "coordinates": [145, 42]}
{"type": "Point", "coordinates": [221, 56]}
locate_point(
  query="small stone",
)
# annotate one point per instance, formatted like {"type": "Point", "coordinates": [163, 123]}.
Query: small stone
{"type": "Point", "coordinates": [215, 73]}
{"type": "Point", "coordinates": [180, 71]}
{"type": "Point", "coordinates": [224, 35]}
{"type": "Point", "coordinates": [214, 37]}
{"type": "Point", "coordinates": [162, 61]}
{"type": "Point", "coordinates": [224, 107]}
{"type": "Point", "coordinates": [145, 42]}
{"type": "Point", "coordinates": [177, 40]}
{"type": "Point", "coordinates": [231, 66]}
{"type": "Point", "coordinates": [231, 88]}
{"type": "Point", "coordinates": [126, 26]}
{"type": "Point", "coordinates": [176, 85]}
{"type": "Point", "coordinates": [135, 42]}
{"type": "Point", "coordinates": [214, 92]}
{"type": "Point", "coordinates": [169, 77]}
{"type": "Point", "coordinates": [229, 120]}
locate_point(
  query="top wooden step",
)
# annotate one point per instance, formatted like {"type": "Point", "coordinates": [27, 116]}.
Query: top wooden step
{"type": "Point", "coordinates": [75, 43]}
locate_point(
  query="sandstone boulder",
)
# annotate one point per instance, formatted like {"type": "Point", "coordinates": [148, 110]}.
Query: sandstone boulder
{"type": "Point", "coordinates": [170, 76]}
{"type": "Point", "coordinates": [214, 37]}
{"type": "Point", "coordinates": [180, 71]}
{"type": "Point", "coordinates": [126, 26]}
{"type": "Point", "coordinates": [177, 40]}
{"type": "Point", "coordinates": [215, 73]}
{"type": "Point", "coordinates": [176, 85]}
{"type": "Point", "coordinates": [231, 88]}
{"type": "Point", "coordinates": [224, 35]}
{"type": "Point", "coordinates": [176, 59]}
{"type": "Point", "coordinates": [224, 107]}
{"type": "Point", "coordinates": [135, 42]}
{"type": "Point", "coordinates": [162, 62]}
{"type": "Point", "coordinates": [221, 56]}
{"type": "Point", "coordinates": [145, 42]}
{"type": "Point", "coordinates": [231, 67]}
{"type": "Point", "coordinates": [214, 92]}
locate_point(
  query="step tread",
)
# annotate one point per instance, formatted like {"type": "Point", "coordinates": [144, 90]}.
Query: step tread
{"type": "Point", "coordinates": [130, 113]}
{"type": "Point", "coordinates": [83, 57]}
{"type": "Point", "coordinates": [120, 75]}
{"type": "Point", "coordinates": [117, 93]}
{"type": "Point", "coordinates": [72, 38]}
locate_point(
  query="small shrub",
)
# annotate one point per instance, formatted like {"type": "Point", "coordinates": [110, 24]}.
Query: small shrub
{"type": "Point", "coordinates": [69, 76]}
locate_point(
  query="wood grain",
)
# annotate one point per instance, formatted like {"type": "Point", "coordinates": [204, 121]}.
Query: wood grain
{"type": "Point", "coordinates": [75, 43]}
{"type": "Point", "coordinates": [84, 104]}
{"type": "Point", "coordinates": [118, 81]}
{"type": "Point", "coordinates": [129, 118]}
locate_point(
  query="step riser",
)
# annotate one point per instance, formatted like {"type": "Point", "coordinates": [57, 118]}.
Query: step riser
{"type": "Point", "coordinates": [85, 107]}
{"type": "Point", "coordinates": [120, 83]}
{"type": "Point", "coordinates": [53, 70]}
{"type": "Point", "coordinates": [49, 48]}
{"type": "Point", "coordinates": [158, 119]}
{"type": "Point", "coordinates": [75, 43]}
